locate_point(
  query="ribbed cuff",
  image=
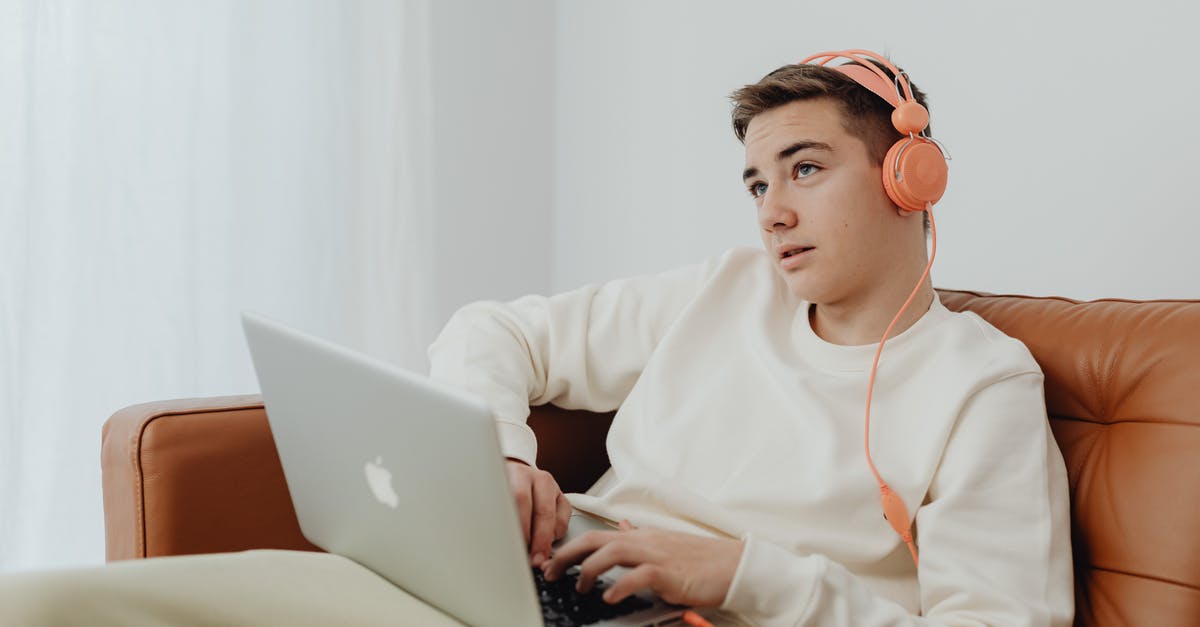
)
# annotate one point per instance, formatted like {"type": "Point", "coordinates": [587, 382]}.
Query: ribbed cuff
{"type": "Point", "coordinates": [772, 585]}
{"type": "Point", "coordinates": [517, 441]}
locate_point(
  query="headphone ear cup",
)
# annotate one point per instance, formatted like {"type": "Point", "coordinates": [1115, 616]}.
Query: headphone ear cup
{"type": "Point", "coordinates": [914, 173]}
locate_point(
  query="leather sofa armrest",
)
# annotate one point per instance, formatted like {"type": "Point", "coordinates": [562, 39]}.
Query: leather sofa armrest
{"type": "Point", "coordinates": [194, 476]}
{"type": "Point", "coordinates": [203, 476]}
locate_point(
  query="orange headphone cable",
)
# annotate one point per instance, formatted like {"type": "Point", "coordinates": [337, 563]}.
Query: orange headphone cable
{"type": "Point", "coordinates": [902, 527]}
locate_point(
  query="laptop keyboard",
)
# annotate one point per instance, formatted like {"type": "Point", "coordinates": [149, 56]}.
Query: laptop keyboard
{"type": "Point", "coordinates": [562, 606]}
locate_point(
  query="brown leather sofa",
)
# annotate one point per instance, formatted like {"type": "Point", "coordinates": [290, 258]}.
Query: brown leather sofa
{"type": "Point", "coordinates": [1122, 388]}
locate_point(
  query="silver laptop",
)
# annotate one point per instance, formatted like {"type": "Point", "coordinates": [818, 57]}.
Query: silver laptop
{"type": "Point", "coordinates": [404, 475]}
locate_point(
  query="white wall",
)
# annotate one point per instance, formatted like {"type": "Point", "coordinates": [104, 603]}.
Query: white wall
{"type": "Point", "coordinates": [493, 164]}
{"type": "Point", "coordinates": [1070, 125]}
{"type": "Point", "coordinates": [165, 165]}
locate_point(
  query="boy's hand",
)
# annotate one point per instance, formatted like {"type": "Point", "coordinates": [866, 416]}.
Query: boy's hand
{"type": "Point", "coordinates": [541, 507]}
{"type": "Point", "coordinates": [682, 568]}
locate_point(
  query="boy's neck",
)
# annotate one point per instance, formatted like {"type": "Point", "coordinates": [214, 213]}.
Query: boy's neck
{"type": "Point", "coordinates": [853, 324]}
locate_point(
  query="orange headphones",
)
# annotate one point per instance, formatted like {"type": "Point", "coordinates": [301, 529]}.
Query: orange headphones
{"type": "Point", "coordinates": [914, 170]}
{"type": "Point", "coordinates": [914, 177]}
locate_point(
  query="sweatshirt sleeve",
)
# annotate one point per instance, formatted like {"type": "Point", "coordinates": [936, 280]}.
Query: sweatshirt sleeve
{"type": "Point", "coordinates": [993, 535]}
{"type": "Point", "coordinates": [582, 349]}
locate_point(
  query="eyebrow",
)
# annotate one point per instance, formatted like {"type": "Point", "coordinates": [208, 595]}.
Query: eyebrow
{"type": "Point", "coordinates": [789, 151]}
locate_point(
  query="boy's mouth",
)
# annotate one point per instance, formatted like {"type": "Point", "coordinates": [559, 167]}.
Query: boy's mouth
{"type": "Point", "coordinates": [785, 250]}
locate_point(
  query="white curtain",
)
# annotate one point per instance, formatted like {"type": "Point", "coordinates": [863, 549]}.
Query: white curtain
{"type": "Point", "coordinates": [165, 165]}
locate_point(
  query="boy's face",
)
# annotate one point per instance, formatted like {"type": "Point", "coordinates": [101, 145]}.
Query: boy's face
{"type": "Point", "coordinates": [815, 186]}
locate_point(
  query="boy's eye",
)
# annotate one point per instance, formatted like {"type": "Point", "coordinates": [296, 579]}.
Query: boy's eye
{"type": "Point", "coordinates": [758, 189]}
{"type": "Point", "coordinates": [806, 169]}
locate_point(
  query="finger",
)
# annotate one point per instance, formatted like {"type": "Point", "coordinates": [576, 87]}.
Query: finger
{"type": "Point", "coordinates": [646, 576]}
{"type": "Point", "coordinates": [626, 525]}
{"type": "Point", "coordinates": [564, 517]}
{"type": "Point", "coordinates": [523, 497]}
{"type": "Point", "coordinates": [626, 550]}
{"type": "Point", "coordinates": [574, 551]}
{"type": "Point", "coordinates": [545, 509]}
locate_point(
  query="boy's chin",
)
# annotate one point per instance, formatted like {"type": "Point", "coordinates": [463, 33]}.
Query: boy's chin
{"type": "Point", "coordinates": [801, 289]}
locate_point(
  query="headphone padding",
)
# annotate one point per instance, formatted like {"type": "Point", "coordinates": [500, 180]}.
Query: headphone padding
{"type": "Point", "coordinates": [922, 174]}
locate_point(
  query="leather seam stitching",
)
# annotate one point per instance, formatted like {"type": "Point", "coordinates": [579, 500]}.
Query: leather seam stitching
{"type": "Point", "coordinates": [1139, 421]}
{"type": "Point", "coordinates": [139, 493]}
{"type": "Point", "coordinates": [1142, 576]}
{"type": "Point", "coordinates": [1064, 299]}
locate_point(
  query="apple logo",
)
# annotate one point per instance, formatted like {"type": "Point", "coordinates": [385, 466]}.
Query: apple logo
{"type": "Point", "coordinates": [379, 479]}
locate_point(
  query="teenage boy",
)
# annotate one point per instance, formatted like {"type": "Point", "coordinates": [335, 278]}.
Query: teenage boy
{"type": "Point", "coordinates": [738, 466]}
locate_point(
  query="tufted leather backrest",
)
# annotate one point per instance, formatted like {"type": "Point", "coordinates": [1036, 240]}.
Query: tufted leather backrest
{"type": "Point", "coordinates": [1123, 394]}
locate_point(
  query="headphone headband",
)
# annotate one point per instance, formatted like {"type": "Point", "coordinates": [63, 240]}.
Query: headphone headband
{"type": "Point", "coordinates": [870, 80]}
{"type": "Point", "coordinates": [893, 90]}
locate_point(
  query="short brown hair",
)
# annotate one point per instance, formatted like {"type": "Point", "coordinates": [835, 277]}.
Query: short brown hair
{"type": "Point", "coordinates": [864, 114]}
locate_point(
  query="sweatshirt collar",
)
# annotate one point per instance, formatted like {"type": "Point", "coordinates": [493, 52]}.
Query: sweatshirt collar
{"type": "Point", "coordinates": [827, 356]}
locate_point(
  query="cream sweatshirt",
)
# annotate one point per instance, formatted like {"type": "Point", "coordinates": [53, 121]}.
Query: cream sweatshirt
{"type": "Point", "coordinates": [735, 419]}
